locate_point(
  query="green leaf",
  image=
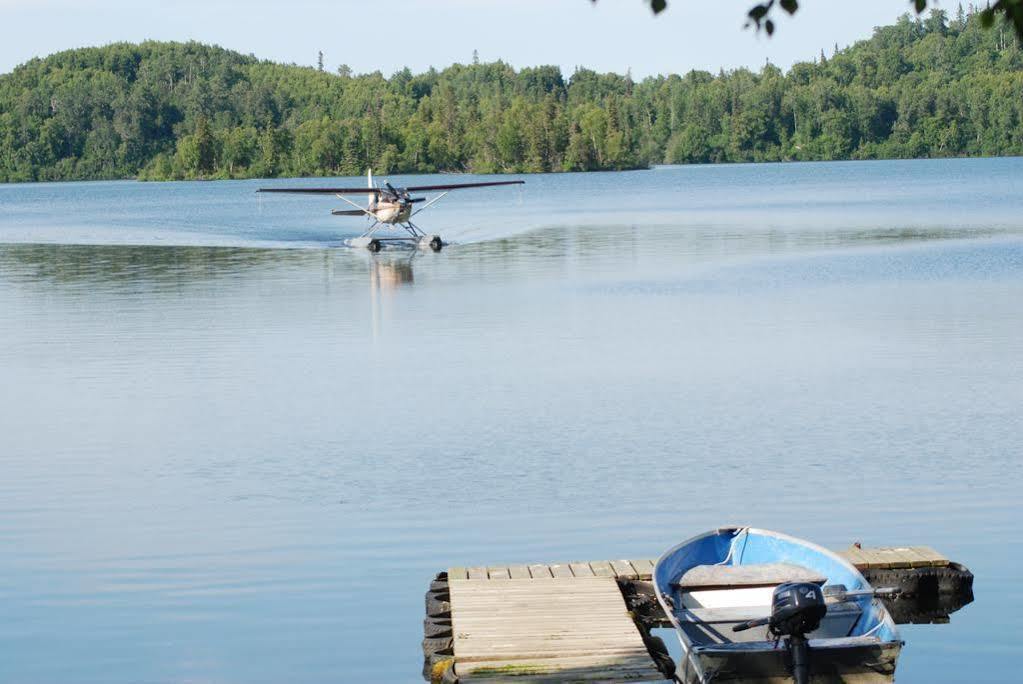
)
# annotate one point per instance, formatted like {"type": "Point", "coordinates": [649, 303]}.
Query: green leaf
{"type": "Point", "coordinates": [658, 5]}
{"type": "Point", "coordinates": [920, 5]}
{"type": "Point", "coordinates": [789, 6]}
{"type": "Point", "coordinates": [769, 27]}
{"type": "Point", "coordinates": [758, 12]}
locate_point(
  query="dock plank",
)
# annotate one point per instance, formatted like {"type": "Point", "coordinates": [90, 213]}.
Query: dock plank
{"type": "Point", "coordinates": [540, 571]}
{"type": "Point", "coordinates": [518, 572]}
{"type": "Point", "coordinates": [547, 627]}
{"type": "Point", "coordinates": [624, 570]}
{"type": "Point", "coordinates": [644, 568]}
{"type": "Point", "coordinates": [855, 556]}
{"type": "Point", "coordinates": [929, 557]}
{"type": "Point", "coordinates": [581, 569]}
{"type": "Point", "coordinates": [561, 570]}
{"type": "Point", "coordinates": [619, 669]}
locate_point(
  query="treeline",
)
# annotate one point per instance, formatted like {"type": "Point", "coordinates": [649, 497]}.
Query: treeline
{"type": "Point", "coordinates": [919, 88]}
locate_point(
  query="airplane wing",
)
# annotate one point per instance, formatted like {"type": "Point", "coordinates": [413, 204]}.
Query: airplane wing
{"type": "Point", "coordinates": [459, 186]}
{"type": "Point", "coordinates": [325, 191]}
{"type": "Point", "coordinates": [377, 191]}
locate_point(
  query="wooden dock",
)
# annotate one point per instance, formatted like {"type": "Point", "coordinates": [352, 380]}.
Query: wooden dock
{"type": "Point", "coordinates": [863, 558]}
{"type": "Point", "coordinates": [574, 628]}
{"type": "Point", "coordinates": [619, 569]}
{"type": "Point", "coordinates": [589, 621]}
{"type": "Point", "coordinates": [894, 557]}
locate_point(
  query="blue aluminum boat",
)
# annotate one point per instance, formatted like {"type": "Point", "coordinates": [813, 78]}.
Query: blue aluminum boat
{"type": "Point", "coordinates": [752, 605]}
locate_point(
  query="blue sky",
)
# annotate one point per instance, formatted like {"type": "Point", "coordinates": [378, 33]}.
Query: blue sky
{"type": "Point", "coordinates": [613, 35]}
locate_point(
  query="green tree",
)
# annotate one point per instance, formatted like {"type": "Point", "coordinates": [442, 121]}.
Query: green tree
{"type": "Point", "coordinates": [923, 86]}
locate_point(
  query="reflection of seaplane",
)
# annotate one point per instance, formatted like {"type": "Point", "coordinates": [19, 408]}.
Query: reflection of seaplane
{"type": "Point", "coordinates": [390, 206]}
{"type": "Point", "coordinates": [390, 274]}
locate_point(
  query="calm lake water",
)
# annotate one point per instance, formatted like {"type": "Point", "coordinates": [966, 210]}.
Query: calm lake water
{"type": "Point", "coordinates": [232, 450]}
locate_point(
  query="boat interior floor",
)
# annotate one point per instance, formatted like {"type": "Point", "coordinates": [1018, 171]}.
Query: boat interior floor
{"type": "Point", "coordinates": [710, 599]}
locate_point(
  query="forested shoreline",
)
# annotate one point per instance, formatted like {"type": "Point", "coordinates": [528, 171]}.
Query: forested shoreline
{"type": "Point", "coordinates": [934, 87]}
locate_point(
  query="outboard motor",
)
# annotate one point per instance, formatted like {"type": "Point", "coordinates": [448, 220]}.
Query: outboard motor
{"type": "Point", "coordinates": [796, 610]}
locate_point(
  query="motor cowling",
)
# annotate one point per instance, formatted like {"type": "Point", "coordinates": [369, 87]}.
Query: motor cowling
{"type": "Point", "coordinates": [796, 609]}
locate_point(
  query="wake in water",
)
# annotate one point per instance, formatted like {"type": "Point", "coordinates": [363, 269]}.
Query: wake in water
{"type": "Point", "coordinates": [967, 196]}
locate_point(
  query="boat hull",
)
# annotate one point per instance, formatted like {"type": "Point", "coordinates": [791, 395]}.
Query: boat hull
{"type": "Point", "coordinates": [829, 664]}
{"type": "Point", "coordinates": [714, 582]}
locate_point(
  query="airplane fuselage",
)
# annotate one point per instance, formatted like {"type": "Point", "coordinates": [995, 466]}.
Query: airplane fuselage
{"type": "Point", "coordinates": [391, 212]}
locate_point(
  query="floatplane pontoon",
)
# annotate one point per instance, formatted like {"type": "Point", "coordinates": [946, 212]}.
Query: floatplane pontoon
{"type": "Point", "coordinates": [392, 207]}
{"type": "Point", "coordinates": [754, 605]}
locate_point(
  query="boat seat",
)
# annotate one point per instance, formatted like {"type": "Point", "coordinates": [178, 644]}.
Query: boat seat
{"type": "Point", "coordinates": [710, 577]}
{"type": "Point", "coordinates": [847, 611]}
{"type": "Point", "coordinates": [706, 626]}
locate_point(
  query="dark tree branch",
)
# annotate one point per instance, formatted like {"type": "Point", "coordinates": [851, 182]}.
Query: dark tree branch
{"type": "Point", "coordinates": [759, 15]}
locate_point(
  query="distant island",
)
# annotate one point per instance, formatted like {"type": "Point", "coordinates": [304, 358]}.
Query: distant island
{"type": "Point", "coordinates": [929, 87]}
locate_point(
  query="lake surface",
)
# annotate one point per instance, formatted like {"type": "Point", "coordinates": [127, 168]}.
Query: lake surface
{"type": "Point", "coordinates": [232, 450]}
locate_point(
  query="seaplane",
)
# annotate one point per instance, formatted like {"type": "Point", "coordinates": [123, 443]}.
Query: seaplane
{"type": "Point", "coordinates": [391, 208]}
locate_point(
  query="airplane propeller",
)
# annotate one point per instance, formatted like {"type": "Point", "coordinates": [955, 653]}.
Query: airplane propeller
{"type": "Point", "coordinates": [401, 194]}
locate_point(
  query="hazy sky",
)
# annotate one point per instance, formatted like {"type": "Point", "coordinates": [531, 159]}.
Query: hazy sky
{"type": "Point", "coordinates": [613, 35]}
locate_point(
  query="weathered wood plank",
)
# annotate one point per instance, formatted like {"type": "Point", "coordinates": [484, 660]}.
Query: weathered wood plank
{"type": "Point", "coordinates": [930, 557]}
{"type": "Point", "coordinates": [913, 558]}
{"type": "Point", "coordinates": [545, 633]}
{"type": "Point", "coordinates": [532, 653]}
{"type": "Point", "coordinates": [518, 572]}
{"type": "Point", "coordinates": [547, 589]}
{"type": "Point", "coordinates": [644, 568]}
{"type": "Point", "coordinates": [862, 558]}
{"type": "Point", "coordinates": [624, 570]}
{"type": "Point", "coordinates": [561, 623]}
{"type": "Point", "coordinates": [855, 556]}
{"type": "Point", "coordinates": [581, 569]}
{"type": "Point", "coordinates": [486, 647]}
{"type": "Point", "coordinates": [498, 573]}
{"type": "Point", "coordinates": [477, 573]}
{"type": "Point", "coordinates": [534, 615]}
{"type": "Point", "coordinates": [540, 570]}
{"type": "Point", "coordinates": [894, 557]}
{"type": "Point", "coordinates": [538, 608]}
{"type": "Point", "coordinates": [875, 559]}
{"type": "Point", "coordinates": [473, 629]}
{"type": "Point", "coordinates": [865, 559]}
{"type": "Point", "coordinates": [554, 670]}
{"type": "Point", "coordinates": [548, 584]}
{"type": "Point", "coordinates": [515, 597]}
{"type": "Point", "coordinates": [561, 570]}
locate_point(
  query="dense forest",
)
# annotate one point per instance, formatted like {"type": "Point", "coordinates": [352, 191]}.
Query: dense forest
{"type": "Point", "coordinates": [933, 87]}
